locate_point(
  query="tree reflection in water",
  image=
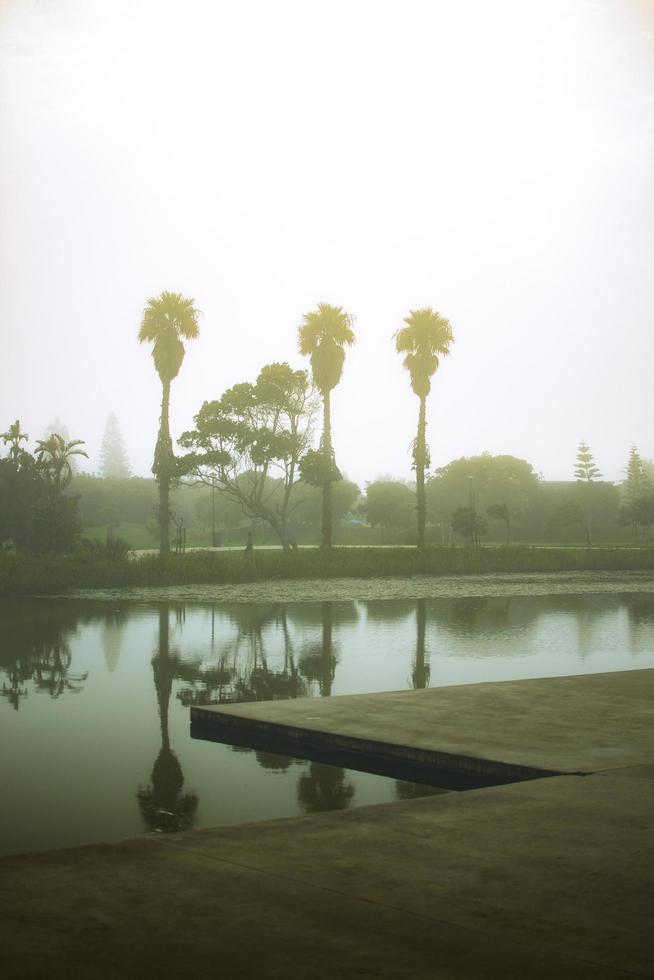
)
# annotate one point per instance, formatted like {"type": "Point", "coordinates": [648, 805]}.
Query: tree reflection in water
{"type": "Point", "coordinates": [165, 809]}
{"type": "Point", "coordinates": [34, 646]}
{"type": "Point", "coordinates": [421, 668]}
{"type": "Point", "coordinates": [323, 788]}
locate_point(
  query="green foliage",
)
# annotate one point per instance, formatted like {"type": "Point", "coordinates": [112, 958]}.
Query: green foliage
{"type": "Point", "coordinates": [638, 483]}
{"type": "Point", "coordinates": [567, 515]}
{"type": "Point", "coordinates": [467, 523]}
{"type": "Point", "coordinates": [323, 336]}
{"type": "Point", "coordinates": [585, 469]}
{"type": "Point", "coordinates": [113, 458]}
{"type": "Point", "coordinates": [35, 515]}
{"type": "Point", "coordinates": [111, 548]}
{"type": "Point", "coordinates": [29, 575]}
{"type": "Point", "coordinates": [389, 503]}
{"type": "Point", "coordinates": [317, 471]}
{"type": "Point", "coordinates": [168, 320]}
{"type": "Point", "coordinates": [500, 512]}
{"type": "Point", "coordinates": [426, 338]}
{"type": "Point", "coordinates": [307, 502]}
{"type": "Point", "coordinates": [486, 479]}
{"type": "Point", "coordinates": [249, 442]}
{"type": "Point", "coordinates": [53, 457]}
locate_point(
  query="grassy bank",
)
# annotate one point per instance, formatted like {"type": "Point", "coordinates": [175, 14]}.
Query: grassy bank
{"type": "Point", "coordinates": [28, 575]}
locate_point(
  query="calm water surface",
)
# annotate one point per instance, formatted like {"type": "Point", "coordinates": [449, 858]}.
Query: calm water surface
{"type": "Point", "coordinates": [94, 719]}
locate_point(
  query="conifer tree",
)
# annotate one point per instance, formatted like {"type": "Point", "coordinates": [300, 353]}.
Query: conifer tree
{"type": "Point", "coordinates": [113, 457]}
{"type": "Point", "coordinates": [586, 473]}
{"type": "Point", "coordinates": [585, 469]}
{"type": "Point", "coordinates": [638, 491]}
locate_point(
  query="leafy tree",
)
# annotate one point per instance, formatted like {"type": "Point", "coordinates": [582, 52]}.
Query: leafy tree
{"type": "Point", "coordinates": [488, 478]}
{"type": "Point", "coordinates": [13, 437]}
{"type": "Point", "coordinates": [500, 512]}
{"type": "Point", "coordinates": [567, 515]}
{"type": "Point", "coordinates": [467, 523]}
{"type": "Point", "coordinates": [586, 473]}
{"type": "Point", "coordinates": [34, 513]}
{"type": "Point", "coordinates": [114, 463]}
{"type": "Point", "coordinates": [167, 321]}
{"type": "Point", "coordinates": [58, 428]}
{"type": "Point", "coordinates": [250, 441]}
{"type": "Point", "coordinates": [307, 506]}
{"type": "Point", "coordinates": [323, 336]}
{"type": "Point", "coordinates": [425, 338]}
{"type": "Point", "coordinates": [324, 788]}
{"type": "Point", "coordinates": [55, 458]}
{"type": "Point", "coordinates": [389, 503]}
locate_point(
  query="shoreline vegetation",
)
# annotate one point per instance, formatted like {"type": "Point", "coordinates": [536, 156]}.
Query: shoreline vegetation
{"type": "Point", "coordinates": [27, 575]}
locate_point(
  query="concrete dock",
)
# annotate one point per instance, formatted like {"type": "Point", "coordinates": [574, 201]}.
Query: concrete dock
{"type": "Point", "coordinates": [549, 877]}
{"type": "Point", "coordinates": [502, 731]}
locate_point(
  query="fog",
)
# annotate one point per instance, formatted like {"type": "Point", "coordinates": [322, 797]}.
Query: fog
{"type": "Point", "coordinates": [493, 161]}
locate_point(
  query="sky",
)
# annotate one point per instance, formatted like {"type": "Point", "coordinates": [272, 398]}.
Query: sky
{"type": "Point", "coordinates": [491, 160]}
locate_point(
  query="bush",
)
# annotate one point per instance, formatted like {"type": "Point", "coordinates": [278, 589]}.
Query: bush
{"type": "Point", "coordinates": [98, 569]}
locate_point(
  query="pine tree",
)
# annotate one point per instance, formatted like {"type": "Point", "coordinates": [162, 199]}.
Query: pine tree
{"type": "Point", "coordinates": [586, 472]}
{"type": "Point", "coordinates": [585, 469]}
{"type": "Point", "coordinates": [637, 484]}
{"type": "Point", "coordinates": [113, 457]}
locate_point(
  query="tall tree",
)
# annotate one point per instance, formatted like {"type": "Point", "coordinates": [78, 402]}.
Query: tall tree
{"type": "Point", "coordinates": [585, 469]}
{"type": "Point", "coordinates": [323, 336]}
{"type": "Point", "coordinates": [586, 473]}
{"type": "Point", "coordinates": [167, 321]}
{"type": "Point", "coordinates": [248, 443]}
{"type": "Point", "coordinates": [425, 338]}
{"type": "Point", "coordinates": [113, 457]}
{"type": "Point", "coordinates": [638, 490]}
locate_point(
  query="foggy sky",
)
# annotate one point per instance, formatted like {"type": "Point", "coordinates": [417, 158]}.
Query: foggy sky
{"type": "Point", "coordinates": [493, 161]}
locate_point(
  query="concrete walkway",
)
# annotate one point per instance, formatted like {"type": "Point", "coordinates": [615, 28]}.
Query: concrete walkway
{"type": "Point", "coordinates": [515, 729]}
{"type": "Point", "coordinates": [543, 878]}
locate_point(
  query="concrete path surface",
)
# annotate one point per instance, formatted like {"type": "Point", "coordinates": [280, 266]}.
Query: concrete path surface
{"type": "Point", "coordinates": [562, 724]}
{"type": "Point", "coordinates": [550, 878]}
{"type": "Point", "coordinates": [545, 878]}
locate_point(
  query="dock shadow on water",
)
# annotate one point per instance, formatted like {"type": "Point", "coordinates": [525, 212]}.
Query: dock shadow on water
{"type": "Point", "coordinates": [94, 720]}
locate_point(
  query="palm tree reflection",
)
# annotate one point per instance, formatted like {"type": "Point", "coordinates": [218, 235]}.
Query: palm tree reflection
{"type": "Point", "coordinates": [34, 646]}
{"type": "Point", "coordinates": [421, 668]}
{"type": "Point", "coordinates": [318, 660]}
{"type": "Point", "coordinates": [164, 807]}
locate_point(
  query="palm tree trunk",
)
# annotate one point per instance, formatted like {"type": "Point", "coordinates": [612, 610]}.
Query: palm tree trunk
{"type": "Point", "coordinates": [327, 468]}
{"type": "Point", "coordinates": [162, 465]}
{"type": "Point", "coordinates": [421, 452]}
{"type": "Point", "coordinates": [327, 672]}
{"type": "Point", "coordinates": [163, 675]}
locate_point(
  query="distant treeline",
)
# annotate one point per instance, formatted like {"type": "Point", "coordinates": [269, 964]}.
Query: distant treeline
{"type": "Point", "coordinates": [509, 501]}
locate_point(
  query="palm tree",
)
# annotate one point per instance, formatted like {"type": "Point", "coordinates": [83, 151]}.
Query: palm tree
{"type": "Point", "coordinates": [14, 436]}
{"type": "Point", "coordinates": [426, 337]}
{"type": "Point", "coordinates": [323, 335]}
{"type": "Point", "coordinates": [166, 320]}
{"type": "Point", "coordinates": [54, 454]}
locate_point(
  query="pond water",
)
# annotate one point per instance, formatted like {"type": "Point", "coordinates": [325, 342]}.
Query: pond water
{"type": "Point", "coordinates": [94, 713]}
